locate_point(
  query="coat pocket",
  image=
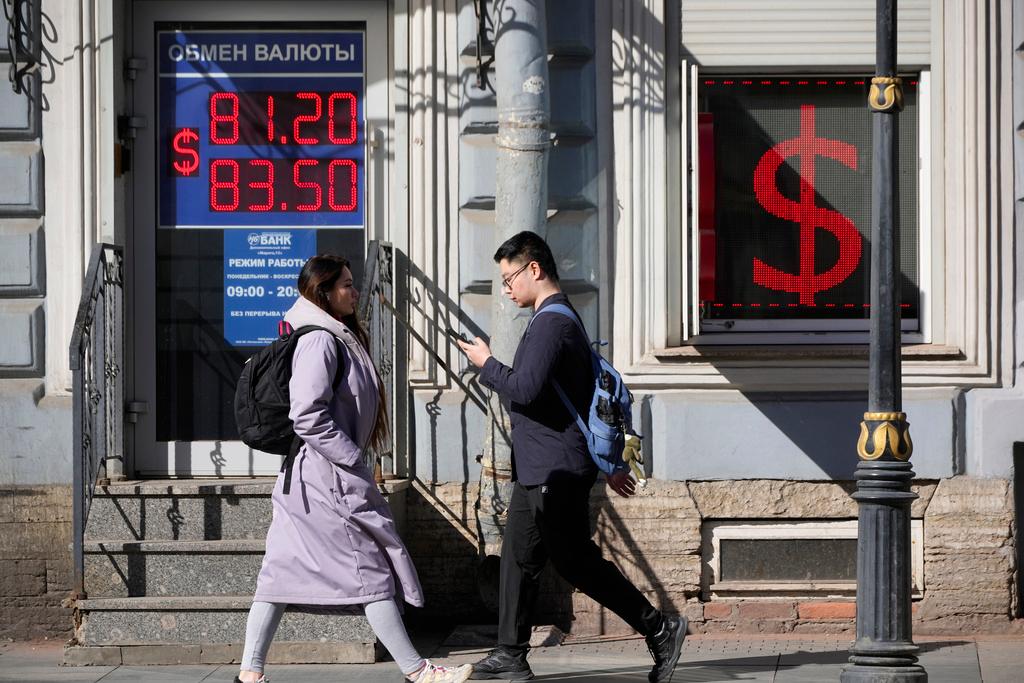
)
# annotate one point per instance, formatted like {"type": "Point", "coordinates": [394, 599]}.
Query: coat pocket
{"type": "Point", "coordinates": [357, 492]}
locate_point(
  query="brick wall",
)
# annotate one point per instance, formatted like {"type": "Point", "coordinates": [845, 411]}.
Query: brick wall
{"type": "Point", "coordinates": [655, 539]}
{"type": "Point", "coordinates": [766, 615]}
{"type": "Point", "coordinates": [35, 562]}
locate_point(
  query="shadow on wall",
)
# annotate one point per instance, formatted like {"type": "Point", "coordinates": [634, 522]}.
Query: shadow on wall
{"type": "Point", "coordinates": [447, 557]}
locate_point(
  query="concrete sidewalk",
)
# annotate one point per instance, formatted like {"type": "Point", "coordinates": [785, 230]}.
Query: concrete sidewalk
{"type": "Point", "coordinates": [794, 659]}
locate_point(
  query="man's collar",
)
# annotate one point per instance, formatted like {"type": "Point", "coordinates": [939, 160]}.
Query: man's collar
{"type": "Point", "coordinates": [556, 297]}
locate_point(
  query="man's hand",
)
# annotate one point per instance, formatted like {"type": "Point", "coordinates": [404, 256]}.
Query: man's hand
{"type": "Point", "coordinates": [478, 352]}
{"type": "Point", "coordinates": [620, 482]}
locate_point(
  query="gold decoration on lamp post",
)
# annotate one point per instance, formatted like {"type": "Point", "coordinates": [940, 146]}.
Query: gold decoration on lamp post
{"type": "Point", "coordinates": [886, 93]}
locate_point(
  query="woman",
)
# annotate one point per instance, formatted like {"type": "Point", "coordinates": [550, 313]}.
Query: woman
{"type": "Point", "coordinates": [332, 540]}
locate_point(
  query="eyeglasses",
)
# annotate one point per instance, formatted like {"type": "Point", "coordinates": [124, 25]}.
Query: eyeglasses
{"type": "Point", "coordinates": [506, 283]}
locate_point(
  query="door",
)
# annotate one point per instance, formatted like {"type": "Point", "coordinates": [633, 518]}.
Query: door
{"type": "Point", "coordinates": [252, 157]}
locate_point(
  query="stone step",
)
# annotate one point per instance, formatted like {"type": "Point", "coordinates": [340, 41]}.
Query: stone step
{"type": "Point", "coordinates": [195, 509]}
{"type": "Point", "coordinates": [128, 569]}
{"type": "Point", "coordinates": [181, 509]}
{"type": "Point", "coordinates": [187, 626]}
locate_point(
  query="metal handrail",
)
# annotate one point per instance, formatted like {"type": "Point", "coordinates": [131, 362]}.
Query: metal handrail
{"type": "Point", "coordinates": [97, 365]}
{"type": "Point", "coordinates": [378, 282]}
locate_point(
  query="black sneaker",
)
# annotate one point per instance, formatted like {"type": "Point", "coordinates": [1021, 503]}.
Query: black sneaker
{"type": "Point", "coordinates": [665, 646]}
{"type": "Point", "coordinates": [501, 664]}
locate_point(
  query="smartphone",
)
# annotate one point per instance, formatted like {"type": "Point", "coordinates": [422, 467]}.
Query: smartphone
{"type": "Point", "coordinates": [455, 334]}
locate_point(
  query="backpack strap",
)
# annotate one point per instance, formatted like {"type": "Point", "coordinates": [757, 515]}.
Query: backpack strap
{"type": "Point", "coordinates": [289, 460]}
{"type": "Point", "coordinates": [562, 309]}
{"type": "Point", "coordinates": [306, 329]}
{"type": "Point", "coordinates": [571, 408]}
{"type": "Point", "coordinates": [285, 329]}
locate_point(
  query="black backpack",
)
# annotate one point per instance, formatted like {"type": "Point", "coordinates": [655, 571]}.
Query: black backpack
{"type": "Point", "coordinates": [262, 401]}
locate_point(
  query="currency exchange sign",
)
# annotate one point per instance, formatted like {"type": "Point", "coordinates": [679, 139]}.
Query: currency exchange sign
{"type": "Point", "coordinates": [785, 225]}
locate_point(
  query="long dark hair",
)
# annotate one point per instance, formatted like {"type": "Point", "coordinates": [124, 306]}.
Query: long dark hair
{"type": "Point", "coordinates": [318, 277]}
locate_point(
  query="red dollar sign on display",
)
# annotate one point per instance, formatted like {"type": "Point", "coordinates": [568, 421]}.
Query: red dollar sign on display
{"type": "Point", "coordinates": [182, 139]}
{"type": "Point", "coordinates": [810, 217]}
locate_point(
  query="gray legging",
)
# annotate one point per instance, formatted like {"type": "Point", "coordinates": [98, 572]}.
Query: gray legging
{"type": "Point", "coordinates": [383, 616]}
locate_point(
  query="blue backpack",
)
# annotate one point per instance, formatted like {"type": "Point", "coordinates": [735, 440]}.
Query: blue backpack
{"type": "Point", "coordinates": [611, 410]}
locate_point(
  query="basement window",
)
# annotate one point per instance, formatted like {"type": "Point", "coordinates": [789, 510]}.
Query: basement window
{"type": "Point", "coordinates": [817, 558]}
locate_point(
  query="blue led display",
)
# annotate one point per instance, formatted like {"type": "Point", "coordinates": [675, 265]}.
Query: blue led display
{"type": "Point", "coordinates": [260, 129]}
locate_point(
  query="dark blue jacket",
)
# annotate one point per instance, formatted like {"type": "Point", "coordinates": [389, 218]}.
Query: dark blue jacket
{"type": "Point", "coordinates": [547, 444]}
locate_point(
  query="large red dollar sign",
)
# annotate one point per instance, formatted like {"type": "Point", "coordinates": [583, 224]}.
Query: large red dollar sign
{"type": "Point", "coordinates": [182, 139]}
{"type": "Point", "coordinates": [810, 217]}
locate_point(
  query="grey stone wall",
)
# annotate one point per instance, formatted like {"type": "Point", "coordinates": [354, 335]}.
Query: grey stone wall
{"type": "Point", "coordinates": [35, 563]}
{"type": "Point", "coordinates": [801, 436]}
{"type": "Point", "coordinates": [784, 436]}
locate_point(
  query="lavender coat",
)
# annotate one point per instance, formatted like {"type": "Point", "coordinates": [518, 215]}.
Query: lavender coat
{"type": "Point", "coordinates": [332, 540]}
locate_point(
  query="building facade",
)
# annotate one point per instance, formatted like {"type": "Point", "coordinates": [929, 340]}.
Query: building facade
{"type": "Point", "coordinates": [709, 209]}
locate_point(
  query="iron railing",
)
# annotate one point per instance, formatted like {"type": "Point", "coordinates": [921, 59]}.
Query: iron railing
{"type": "Point", "coordinates": [97, 367]}
{"type": "Point", "coordinates": [378, 290]}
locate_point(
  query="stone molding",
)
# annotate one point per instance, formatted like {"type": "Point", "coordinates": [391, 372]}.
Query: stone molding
{"type": "Point", "coordinates": [427, 81]}
{"type": "Point", "coordinates": [22, 259]}
{"type": "Point", "coordinates": [78, 140]}
{"type": "Point", "coordinates": [24, 356]}
{"type": "Point", "coordinates": [643, 241]}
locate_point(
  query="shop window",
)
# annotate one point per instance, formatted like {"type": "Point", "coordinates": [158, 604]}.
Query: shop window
{"type": "Point", "coordinates": [782, 223]}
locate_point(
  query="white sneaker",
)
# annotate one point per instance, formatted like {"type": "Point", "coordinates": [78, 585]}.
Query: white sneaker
{"type": "Point", "coordinates": [433, 673]}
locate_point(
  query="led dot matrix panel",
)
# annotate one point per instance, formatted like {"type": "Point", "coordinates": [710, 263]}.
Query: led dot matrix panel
{"type": "Point", "coordinates": [261, 128]}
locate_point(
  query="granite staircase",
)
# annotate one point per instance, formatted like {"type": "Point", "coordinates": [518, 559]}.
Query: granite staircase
{"type": "Point", "coordinates": [170, 569]}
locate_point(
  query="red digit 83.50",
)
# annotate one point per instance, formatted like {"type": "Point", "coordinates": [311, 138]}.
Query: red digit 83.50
{"type": "Point", "coordinates": [284, 118]}
{"type": "Point", "coordinates": [262, 185]}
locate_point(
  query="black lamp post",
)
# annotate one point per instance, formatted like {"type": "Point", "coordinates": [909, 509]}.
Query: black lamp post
{"type": "Point", "coordinates": [884, 650]}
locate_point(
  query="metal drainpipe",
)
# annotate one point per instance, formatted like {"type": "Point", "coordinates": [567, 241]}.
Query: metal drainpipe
{"type": "Point", "coordinates": [521, 85]}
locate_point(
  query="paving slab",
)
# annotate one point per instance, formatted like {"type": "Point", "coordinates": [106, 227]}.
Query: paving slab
{"type": "Point", "coordinates": [705, 659]}
{"type": "Point", "coordinates": [1001, 660]}
{"type": "Point", "coordinates": [808, 673]}
{"type": "Point", "coordinates": [952, 660]}
{"type": "Point", "coordinates": [162, 674]}
{"type": "Point", "coordinates": [37, 663]}
{"type": "Point", "coordinates": [813, 658]}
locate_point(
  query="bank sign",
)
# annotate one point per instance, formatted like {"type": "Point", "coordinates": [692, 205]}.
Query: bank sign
{"type": "Point", "coordinates": [260, 272]}
{"type": "Point", "coordinates": [261, 128]}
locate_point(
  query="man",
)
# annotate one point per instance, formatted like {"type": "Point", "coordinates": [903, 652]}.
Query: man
{"type": "Point", "coordinates": [548, 514]}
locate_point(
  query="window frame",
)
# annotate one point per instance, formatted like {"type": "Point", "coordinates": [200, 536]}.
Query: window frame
{"type": "Point", "coordinates": [972, 229]}
{"type": "Point", "coordinates": [714, 532]}
{"type": "Point", "coordinates": [781, 332]}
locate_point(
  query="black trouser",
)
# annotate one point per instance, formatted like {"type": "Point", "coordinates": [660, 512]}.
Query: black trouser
{"type": "Point", "coordinates": [552, 521]}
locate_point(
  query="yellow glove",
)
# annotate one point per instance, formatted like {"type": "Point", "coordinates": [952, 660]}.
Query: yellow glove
{"type": "Point", "coordinates": [631, 456]}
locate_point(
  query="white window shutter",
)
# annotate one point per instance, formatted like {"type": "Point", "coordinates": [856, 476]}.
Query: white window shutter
{"type": "Point", "coordinates": [801, 33]}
